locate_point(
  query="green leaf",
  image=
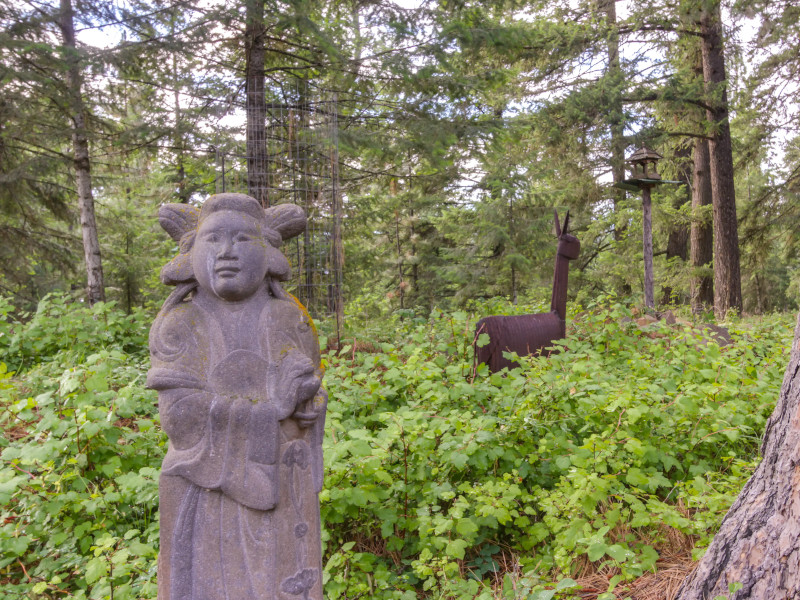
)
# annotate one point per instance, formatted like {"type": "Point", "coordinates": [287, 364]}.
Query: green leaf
{"type": "Point", "coordinates": [97, 382]}
{"type": "Point", "coordinates": [649, 556]}
{"type": "Point", "coordinates": [458, 460]}
{"type": "Point", "coordinates": [619, 553]}
{"type": "Point", "coordinates": [614, 581]}
{"type": "Point", "coordinates": [17, 545]}
{"type": "Point", "coordinates": [39, 588]}
{"type": "Point", "coordinates": [456, 548]}
{"type": "Point", "coordinates": [139, 549]}
{"type": "Point", "coordinates": [596, 551]}
{"type": "Point", "coordinates": [360, 448]}
{"type": "Point", "coordinates": [566, 583]}
{"type": "Point", "coordinates": [636, 477]}
{"type": "Point", "coordinates": [95, 569]}
{"type": "Point", "coordinates": [688, 405]}
{"type": "Point", "coordinates": [466, 527]}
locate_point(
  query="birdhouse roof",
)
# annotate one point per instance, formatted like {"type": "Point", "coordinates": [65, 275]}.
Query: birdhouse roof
{"type": "Point", "coordinates": [644, 153]}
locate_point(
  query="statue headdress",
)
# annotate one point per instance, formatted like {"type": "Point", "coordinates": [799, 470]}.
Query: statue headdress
{"type": "Point", "coordinates": [181, 221]}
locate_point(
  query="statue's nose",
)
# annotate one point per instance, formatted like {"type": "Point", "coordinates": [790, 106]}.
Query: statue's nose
{"type": "Point", "coordinates": [225, 248]}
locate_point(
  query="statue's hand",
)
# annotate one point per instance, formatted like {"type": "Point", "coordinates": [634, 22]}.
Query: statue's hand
{"type": "Point", "coordinates": [307, 387]}
{"type": "Point", "coordinates": [296, 383]}
{"type": "Point", "coordinates": [306, 415]}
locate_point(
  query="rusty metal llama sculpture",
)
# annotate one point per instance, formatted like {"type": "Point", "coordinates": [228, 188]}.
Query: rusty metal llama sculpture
{"type": "Point", "coordinates": [530, 334]}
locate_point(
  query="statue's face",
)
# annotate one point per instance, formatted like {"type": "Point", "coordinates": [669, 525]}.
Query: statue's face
{"type": "Point", "coordinates": [230, 255]}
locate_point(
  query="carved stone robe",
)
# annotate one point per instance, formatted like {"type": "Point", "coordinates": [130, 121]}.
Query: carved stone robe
{"type": "Point", "coordinates": [239, 398]}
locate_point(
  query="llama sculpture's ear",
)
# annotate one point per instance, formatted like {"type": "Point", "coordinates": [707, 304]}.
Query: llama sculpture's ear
{"type": "Point", "coordinates": [566, 223]}
{"type": "Point", "coordinates": [558, 225]}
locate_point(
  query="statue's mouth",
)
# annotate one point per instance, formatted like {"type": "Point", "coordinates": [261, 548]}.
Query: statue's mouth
{"type": "Point", "coordinates": [227, 270]}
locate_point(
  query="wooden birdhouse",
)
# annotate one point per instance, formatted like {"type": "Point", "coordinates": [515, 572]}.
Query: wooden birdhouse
{"type": "Point", "coordinates": [643, 163]}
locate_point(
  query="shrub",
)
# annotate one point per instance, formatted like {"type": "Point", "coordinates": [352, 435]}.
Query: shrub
{"type": "Point", "coordinates": [441, 480]}
{"type": "Point", "coordinates": [81, 453]}
{"type": "Point", "coordinates": [447, 481]}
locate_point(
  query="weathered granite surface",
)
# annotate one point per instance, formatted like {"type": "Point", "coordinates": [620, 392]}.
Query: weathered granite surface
{"type": "Point", "coordinates": [236, 363]}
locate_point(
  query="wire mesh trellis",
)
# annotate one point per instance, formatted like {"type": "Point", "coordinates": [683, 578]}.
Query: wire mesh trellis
{"type": "Point", "coordinates": [292, 157]}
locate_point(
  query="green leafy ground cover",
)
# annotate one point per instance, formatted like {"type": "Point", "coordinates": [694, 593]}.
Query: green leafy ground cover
{"type": "Point", "coordinates": [441, 482]}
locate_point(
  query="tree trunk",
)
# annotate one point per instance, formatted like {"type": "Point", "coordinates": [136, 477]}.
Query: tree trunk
{"type": "Point", "coordinates": [178, 141]}
{"type": "Point", "coordinates": [727, 278]}
{"type": "Point", "coordinates": [337, 242]}
{"type": "Point", "coordinates": [512, 236]}
{"type": "Point", "coordinates": [95, 290]}
{"type": "Point", "coordinates": [678, 239]}
{"type": "Point", "coordinates": [256, 102]}
{"type": "Point", "coordinates": [306, 189]}
{"type": "Point", "coordinates": [402, 284]}
{"type": "Point", "coordinates": [758, 544]}
{"type": "Point", "coordinates": [702, 235]}
{"type": "Point", "coordinates": [615, 116]}
{"type": "Point", "coordinates": [616, 123]}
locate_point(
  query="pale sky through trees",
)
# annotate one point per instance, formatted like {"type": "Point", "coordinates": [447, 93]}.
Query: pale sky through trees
{"type": "Point", "coordinates": [744, 29]}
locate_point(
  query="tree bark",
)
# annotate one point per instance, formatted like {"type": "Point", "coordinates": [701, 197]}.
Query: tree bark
{"type": "Point", "coordinates": [306, 186]}
{"type": "Point", "coordinates": [512, 237]}
{"type": "Point", "coordinates": [758, 544]}
{"type": "Point", "coordinates": [178, 141]}
{"type": "Point", "coordinates": [702, 235]}
{"type": "Point", "coordinates": [678, 239]}
{"type": "Point", "coordinates": [256, 102]}
{"type": "Point", "coordinates": [727, 278]}
{"type": "Point", "coordinates": [95, 289]}
{"type": "Point", "coordinates": [615, 115]}
{"type": "Point", "coordinates": [337, 242]}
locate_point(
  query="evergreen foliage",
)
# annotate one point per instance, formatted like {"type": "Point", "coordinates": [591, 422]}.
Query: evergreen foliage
{"type": "Point", "coordinates": [462, 124]}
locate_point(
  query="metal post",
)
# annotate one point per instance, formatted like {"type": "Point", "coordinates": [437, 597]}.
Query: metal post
{"type": "Point", "coordinates": [647, 247]}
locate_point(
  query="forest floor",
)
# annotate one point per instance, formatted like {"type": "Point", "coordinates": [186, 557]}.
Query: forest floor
{"type": "Point", "coordinates": [672, 569]}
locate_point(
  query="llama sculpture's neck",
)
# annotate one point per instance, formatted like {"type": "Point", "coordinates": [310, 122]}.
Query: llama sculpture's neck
{"type": "Point", "coordinates": [558, 302]}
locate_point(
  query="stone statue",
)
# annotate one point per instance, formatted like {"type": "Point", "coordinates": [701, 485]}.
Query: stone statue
{"type": "Point", "coordinates": [236, 363]}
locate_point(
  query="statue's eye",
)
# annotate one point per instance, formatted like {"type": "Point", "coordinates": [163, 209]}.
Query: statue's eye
{"type": "Point", "coordinates": [211, 238]}
{"type": "Point", "coordinates": [242, 237]}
